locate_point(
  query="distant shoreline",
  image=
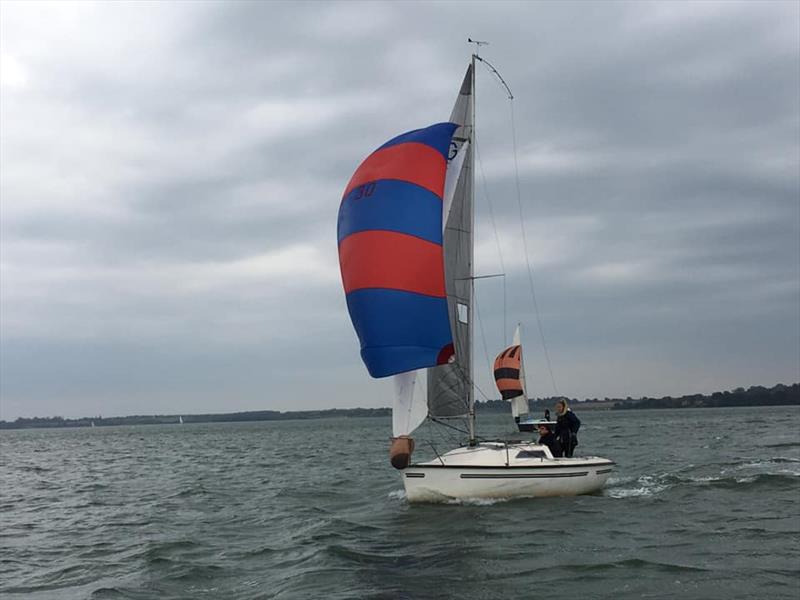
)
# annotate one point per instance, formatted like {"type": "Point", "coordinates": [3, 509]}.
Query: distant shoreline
{"type": "Point", "coordinates": [779, 395]}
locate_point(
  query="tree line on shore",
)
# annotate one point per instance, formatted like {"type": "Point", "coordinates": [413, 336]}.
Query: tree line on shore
{"type": "Point", "coordinates": [753, 396]}
{"type": "Point", "coordinates": [255, 415]}
{"type": "Point", "coordinates": [779, 395]}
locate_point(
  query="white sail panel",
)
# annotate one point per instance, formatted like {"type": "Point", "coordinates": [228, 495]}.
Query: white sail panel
{"type": "Point", "coordinates": [458, 151]}
{"type": "Point", "coordinates": [519, 405]}
{"type": "Point", "coordinates": [517, 342]}
{"type": "Point", "coordinates": [410, 402]}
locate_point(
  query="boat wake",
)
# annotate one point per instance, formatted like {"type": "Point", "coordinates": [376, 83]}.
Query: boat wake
{"type": "Point", "coordinates": [476, 501]}
{"type": "Point", "coordinates": [644, 485]}
{"type": "Point", "coordinates": [397, 495]}
{"type": "Point", "coordinates": [776, 473]}
{"type": "Point", "coordinates": [401, 496]}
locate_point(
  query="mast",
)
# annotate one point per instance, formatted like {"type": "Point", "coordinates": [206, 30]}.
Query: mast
{"type": "Point", "coordinates": [471, 200]}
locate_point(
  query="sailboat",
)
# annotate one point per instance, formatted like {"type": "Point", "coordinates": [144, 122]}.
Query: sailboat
{"type": "Point", "coordinates": [180, 420]}
{"type": "Point", "coordinates": [405, 234]}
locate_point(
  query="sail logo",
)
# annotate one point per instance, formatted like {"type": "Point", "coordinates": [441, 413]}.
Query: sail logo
{"type": "Point", "coordinates": [364, 191]}
{"type": "Point", "coordinates": [453, 152]}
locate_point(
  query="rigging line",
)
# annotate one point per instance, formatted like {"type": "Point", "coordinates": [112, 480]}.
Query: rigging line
{"type": "Point", "coordinates": [485, 397]}
{"type": "Point", "coordinates": [442, 434]}
{"type": "Point", "coordinates": [442, 429]}
{"type": "Point", "coordinates": [469, 380]}
{"type": "Point", "coordinates": [497, 74]}
{"type": "Point", "coordinates": [525, 247]}
{"type": "Point", "coordinates": [461, 378]}
{"type": "Point", "coordinates": [447, 425]}
{"type": "Point", "coordinates": [496, 236]}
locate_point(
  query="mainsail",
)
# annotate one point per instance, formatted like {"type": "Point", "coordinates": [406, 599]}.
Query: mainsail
{"type": "Point", "coordinates": [450, 386]}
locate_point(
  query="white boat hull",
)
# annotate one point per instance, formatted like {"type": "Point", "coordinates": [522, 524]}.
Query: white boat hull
{"type": "Point", "coordinates": [503, 471]}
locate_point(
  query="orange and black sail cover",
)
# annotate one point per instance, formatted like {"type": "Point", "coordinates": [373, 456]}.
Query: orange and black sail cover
{"type": "Point", "coordinates": [506, 372]}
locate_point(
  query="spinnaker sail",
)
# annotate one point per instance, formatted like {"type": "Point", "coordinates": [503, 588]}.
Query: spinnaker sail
{"type": "Point", "coordinates": [509, 376]}
{"type": "Point", "coordinates": [391, 253]}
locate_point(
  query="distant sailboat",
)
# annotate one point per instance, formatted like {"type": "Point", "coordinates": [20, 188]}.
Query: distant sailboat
{"type": "Point", "coordinates": [405, 233]}
{"type": "Point", "coordinates": [180, 420]}
{"type": "Point", "coordinates": [92, 423]}
{"type": "Point", "coordinates": [509, 375]}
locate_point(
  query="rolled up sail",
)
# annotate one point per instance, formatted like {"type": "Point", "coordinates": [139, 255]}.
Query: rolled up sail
{"type": "Point", "coordinates": [391, 255]}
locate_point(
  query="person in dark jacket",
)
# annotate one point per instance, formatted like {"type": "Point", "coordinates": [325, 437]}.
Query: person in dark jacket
{"type": "Point", "coordinates": [567, 425]}
{"type": "Point", "coordinates": [548, 438]}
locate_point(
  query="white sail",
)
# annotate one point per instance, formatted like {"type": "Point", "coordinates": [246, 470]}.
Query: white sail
{"type": "Point", "coordinates": [458, 152]}
{"type": "Point", "coordinates": [410, 402]}
{"type": "Point", "coordinates": [519, 405]}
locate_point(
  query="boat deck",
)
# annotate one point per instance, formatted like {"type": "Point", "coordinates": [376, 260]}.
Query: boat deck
{"type": "Point", "coordinates": [502, 455]}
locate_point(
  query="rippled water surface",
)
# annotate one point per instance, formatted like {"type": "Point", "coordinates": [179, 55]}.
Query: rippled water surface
{"type": "Point", "coordinates": [705, 504]}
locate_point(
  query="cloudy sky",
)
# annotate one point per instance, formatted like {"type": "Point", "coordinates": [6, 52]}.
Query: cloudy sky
{"type": "Point", "coordinates": [170, 175]}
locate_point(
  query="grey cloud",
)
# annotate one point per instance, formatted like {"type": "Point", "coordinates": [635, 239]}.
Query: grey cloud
{"type": "Point", "coordinates": [170, 182]}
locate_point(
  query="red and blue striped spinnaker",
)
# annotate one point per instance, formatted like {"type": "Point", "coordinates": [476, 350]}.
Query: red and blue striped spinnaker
{"type": "Point", "coordinates": [391, 254]}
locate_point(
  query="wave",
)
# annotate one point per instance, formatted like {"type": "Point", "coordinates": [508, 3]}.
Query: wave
{"type": "Point", "coordinates": [757, 460]}
{"type": "Point", "coordinates": [264, 551]}
{"type": "Point", "coordinates": [194, 490]}
{"type": "Point", "coordinates": [369, 556]}
{"type": "Point", "coordinates": [773, 481]}
{"type": "Point", "coordinates": [105, 593]}
{"type": "Point", "coordinates": [774, 460]}
{"type": "Point", "coordinates": [652, 485]}
{"type": "Point", "coordinates": [638, 563]}
{"type": "Point", "coordinates": [782, 445]}
{"type": "Point", "coordinates": [92, 487]}
{"type": "Point", "coordinates": [33, 469]}
{"type": "Point", "coordinates": [199, 571]}
{"type": "Point", "coordinates": [162, 553]}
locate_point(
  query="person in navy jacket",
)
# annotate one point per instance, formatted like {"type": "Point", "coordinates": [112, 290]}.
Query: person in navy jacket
{"type": "Point", "coordinates": [548, 438]}
{"type": "Point", "coordinates": [567, 425]}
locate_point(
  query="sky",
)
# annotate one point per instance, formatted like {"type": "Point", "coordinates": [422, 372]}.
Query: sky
{"type": "Point", "coordinates": [171, 172]}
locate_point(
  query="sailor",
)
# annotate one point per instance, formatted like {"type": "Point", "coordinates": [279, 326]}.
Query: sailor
{"type": "Point", "coordinates": [548, 438]}
{"type": "Point", "coordinates": [567, 425]}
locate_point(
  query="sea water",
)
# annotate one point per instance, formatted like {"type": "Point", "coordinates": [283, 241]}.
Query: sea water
{"type": "Point", "coordinates": [705, 503]}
